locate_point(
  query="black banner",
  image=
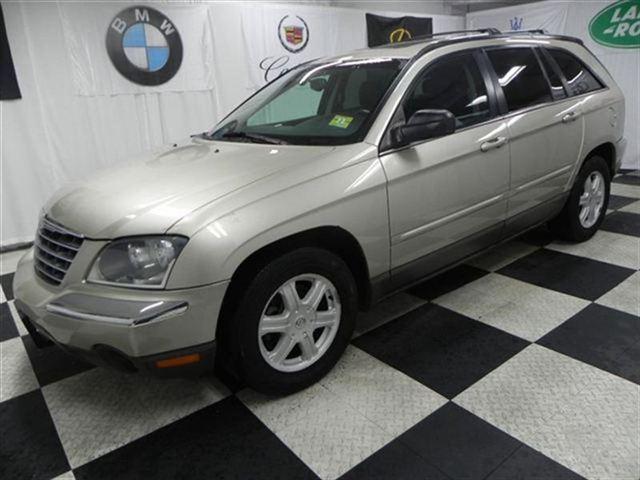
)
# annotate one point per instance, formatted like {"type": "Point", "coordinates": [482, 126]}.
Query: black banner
{"type": "Point", "coordinates": [383, 30]}
{"type": "Point", "coordinates": [9, 89]}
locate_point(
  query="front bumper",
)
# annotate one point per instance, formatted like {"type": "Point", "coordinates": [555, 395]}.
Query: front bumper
{"type": "Point", "coordinates": [120, 327]}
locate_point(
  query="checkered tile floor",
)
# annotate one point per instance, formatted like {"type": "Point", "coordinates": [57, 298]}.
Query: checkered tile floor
{"type": "Point", "coordinates": [524, 363]}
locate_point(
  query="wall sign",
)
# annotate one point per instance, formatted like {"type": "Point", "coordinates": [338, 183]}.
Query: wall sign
{"type": "Point", "coordinates": [293, 33]}
{"type": "Point", "coordinates": [617, 25]}
{"type": "Point", "coordinates": [144, 46]}
{"type": "Point", "coordinates": [382, 30]}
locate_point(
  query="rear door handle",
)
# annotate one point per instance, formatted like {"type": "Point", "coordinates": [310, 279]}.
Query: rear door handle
{"type": "Point", "coordinates": [493, 143]}
{"type": "Point", "coordinates": [570, 117]}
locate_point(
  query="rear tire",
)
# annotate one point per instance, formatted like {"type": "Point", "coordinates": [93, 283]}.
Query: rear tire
{"type": "Point", "coordinates": [585, 209]}
{"type": "Point", "coordinates": [295, 320]}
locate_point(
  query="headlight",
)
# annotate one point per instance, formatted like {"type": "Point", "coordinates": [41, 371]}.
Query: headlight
{"type": "Point", "coordinates": [143, 262]}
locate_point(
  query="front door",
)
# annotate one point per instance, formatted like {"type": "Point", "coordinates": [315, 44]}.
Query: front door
{"type": "Point", "coordinates": [447, 196]}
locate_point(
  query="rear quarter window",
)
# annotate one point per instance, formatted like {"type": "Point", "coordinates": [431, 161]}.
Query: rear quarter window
{"type": "Point", "coordinates": [579, 78]}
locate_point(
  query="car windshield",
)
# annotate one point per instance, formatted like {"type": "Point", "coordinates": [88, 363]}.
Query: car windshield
{"type": "Point", "coordinates": [314, 104]}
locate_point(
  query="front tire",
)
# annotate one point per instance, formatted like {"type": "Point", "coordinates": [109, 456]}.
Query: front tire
{"type": "Point", "coordinates": [587, 204]}
{"type": "Point", "coordinates": [295, 320]}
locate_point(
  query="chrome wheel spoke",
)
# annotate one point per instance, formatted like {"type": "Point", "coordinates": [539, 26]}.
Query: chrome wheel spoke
{"type": "Point", "coordinates": [315, 295]}
{"type": "Point", "coordinates": [308, 347]}
{"type": "Point", "coordinates": [275, 323]}
{"type": "Point", "coordinates": [290, 296]}
{"type": "Point", "coordinates": [584, 199]}
{"type": "Point", "coordinates": [326, 319]}
{"type": "Point", "coordinates": [279, 354]}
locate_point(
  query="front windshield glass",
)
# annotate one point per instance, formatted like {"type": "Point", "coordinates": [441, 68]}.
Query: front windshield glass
{"type": "Point", "coordinates": [315, 104]}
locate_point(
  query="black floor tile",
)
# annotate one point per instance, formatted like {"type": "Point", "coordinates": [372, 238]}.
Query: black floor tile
{"type": "Point", "coordinates": [538, 237]}
{"type": "Point", "coordinates": [224, 440]}
{"type": "Point", "coordinates": [627, 223]}
{"type": "Point", "coordinates": [394, 461]}
{"type": "Point", "coordinates": [7, 325]}
{"type": "Point", "coordinates": [442, 349]}
{"type": "Point", "coordinates": [618, 201]}
{"type": "Point", "coordinates": [51, 364]}
{"type": "Point", "coordinates": [460, 444]}
{"type": "Point", "coordinates": [627, 179]}
{"type": "Point", "coordinates": [447, 282]}
{"type": "Point", "coordinates": [577, 276]}
{"type": "Point", "coordinates": [529, 464]}
{"type": "Point", "coordinates": [6, 281]}
{"type": "Point", "coordinates": [603, 337]}
{"type": "Point", "coordinates": [29, 444]}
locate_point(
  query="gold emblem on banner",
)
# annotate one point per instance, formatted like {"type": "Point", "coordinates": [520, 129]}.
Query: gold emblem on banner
{"type": "Point", "coordinates": [399, 35]}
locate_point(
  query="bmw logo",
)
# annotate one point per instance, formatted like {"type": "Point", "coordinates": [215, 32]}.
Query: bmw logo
{"type": "Point", "coordinates": [144, 46]}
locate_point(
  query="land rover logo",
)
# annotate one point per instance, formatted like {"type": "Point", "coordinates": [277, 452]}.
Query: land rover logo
{"type": "Point", "coordinates": [617, 25]}
{"type": "Point", "coordinates": [144, 46]}
{"type": "Point", "coordinates": [293, 33]}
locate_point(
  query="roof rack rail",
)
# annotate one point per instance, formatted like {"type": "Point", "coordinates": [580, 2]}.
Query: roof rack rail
{"type": "Point", "coordinates": [535, 30]}
{"type": "Point", "coordinates": [488, 31]}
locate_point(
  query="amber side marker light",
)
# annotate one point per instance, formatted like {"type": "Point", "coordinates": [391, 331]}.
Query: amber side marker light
{"type": "Point", "coordinates": [178, 361]}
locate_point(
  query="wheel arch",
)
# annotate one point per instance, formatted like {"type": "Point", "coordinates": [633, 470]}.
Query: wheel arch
{"type": "Point", "coordinates": [332, 238]}
{"type": "Point", "coordinates": [607, 151]}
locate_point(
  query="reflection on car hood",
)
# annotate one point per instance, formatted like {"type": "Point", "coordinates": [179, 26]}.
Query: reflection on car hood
{"type": "Point", "coordinates": [150, 196]}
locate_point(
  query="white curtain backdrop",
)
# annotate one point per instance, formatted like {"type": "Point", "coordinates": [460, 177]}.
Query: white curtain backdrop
{"type": "Point", "coordinates": [77, 116]}
{"type": "Point", "coordinates": [572, 18]}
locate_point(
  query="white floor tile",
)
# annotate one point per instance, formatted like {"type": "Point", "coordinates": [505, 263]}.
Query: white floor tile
{"type": "Point", "coordinates": [625, 297]}
{"type": "Point", "coordinates": [387, 310]}
{"type": "Point", "coordinates": [16, 373]}
{"type": "Point", "coordinates": [372, 388]}
{"type": "Point", "coordinates": [578, 415]}
{"type": "Point", "coordinates": [324, 431]}
{"type": "Point", "coordinates": [9, 261]}
{"type": "Point", "coordinates": [16, 318]}
{"type": "Point", "coordinates": [625, 190]}
{"type": "Point", "coordinates": [502, 255]}
{"type": "Point", "coordinates": [516, 307]}
{"type": "Point", "coordinates": [100, 410]}
{"type": "Point", "coordinates": [609, 247]}
{"type": "Point", "coordinates": [632, 207]}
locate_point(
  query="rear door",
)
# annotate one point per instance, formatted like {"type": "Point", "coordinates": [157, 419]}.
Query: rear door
{"type": "Point", "coordinates": [545, 130]}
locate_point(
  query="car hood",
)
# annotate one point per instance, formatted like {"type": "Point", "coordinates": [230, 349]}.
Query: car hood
{"type": "Point", "coordinates": [151, 195]}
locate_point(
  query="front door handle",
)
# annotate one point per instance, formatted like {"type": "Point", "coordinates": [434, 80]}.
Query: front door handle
{"type": "Point", "coordinates": [570, 117]}
{"type": "Point", "coordinates": [493, 143]}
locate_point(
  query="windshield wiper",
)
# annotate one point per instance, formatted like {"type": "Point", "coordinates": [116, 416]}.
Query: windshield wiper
{"type": "Point", "coordinates": [254, 137]}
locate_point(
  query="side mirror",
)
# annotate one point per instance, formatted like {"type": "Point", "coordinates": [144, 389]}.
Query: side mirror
{"type": "Point", "coordinates": [318, 84]}
{"type": "Point", "coordinates": [422, 125]}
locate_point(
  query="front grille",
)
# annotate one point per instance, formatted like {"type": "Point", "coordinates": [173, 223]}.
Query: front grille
{"type": "Point", "coordinates": [55, 249]}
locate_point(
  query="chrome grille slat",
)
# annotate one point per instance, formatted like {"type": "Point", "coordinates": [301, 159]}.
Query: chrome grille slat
{"type": "Point", "coordinates": [46, 249]}
{"type": "Point", "coordinates": [55, 267]}
{"type": "Point", "coordinates": [57, 242]}
{"type": "Point", "coordinates": [55, 249]}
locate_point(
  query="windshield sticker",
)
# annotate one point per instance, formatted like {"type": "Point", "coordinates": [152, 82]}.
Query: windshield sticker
{"type": "Point", "coordinates": [340, 121]}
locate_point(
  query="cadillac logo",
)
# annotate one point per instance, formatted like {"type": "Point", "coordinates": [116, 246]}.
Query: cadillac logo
{"type": "Point", "coordinates": [293, 33]}
{"type": "Point", "coordinates": [144, 46]}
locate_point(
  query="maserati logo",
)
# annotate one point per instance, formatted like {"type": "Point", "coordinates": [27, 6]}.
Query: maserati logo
{"type": "Point", "coordinates": [144, 46]}
{"type": "Point", "coordinates": [293, 33]}
{"type": "Point", "coordinates": [516, 23]}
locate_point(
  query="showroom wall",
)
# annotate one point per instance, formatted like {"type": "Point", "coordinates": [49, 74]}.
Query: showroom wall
{"type": "Point", "coordinates": [75, 117]}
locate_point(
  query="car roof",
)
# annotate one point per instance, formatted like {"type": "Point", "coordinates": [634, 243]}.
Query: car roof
{"type": "Point", "coordinates": [413, 48]}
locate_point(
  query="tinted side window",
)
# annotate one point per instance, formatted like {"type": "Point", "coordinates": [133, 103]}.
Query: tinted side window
{"type": "Point", "coordinates": [579, 78]}
{"type": "Point", "coordinates": [453, 84]}
{"type": "Point", "coordinates": [557, 89]}
{"type": "Point", "coordinates": [520, 77]}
